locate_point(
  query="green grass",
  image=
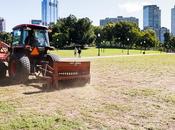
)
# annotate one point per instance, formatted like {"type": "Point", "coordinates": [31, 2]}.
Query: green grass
{"type": "Point", "coordinates": [116, 107]}
{"type": "Point", "coordinates": [142, 92]}
{"type": "Point", "coordinates": [105, 52]}
{"type": "Point", "coordinates": [41, 122]}
{"type": "Point", "coordinates": [170, 98]}
{"type": "Point", "coordinates": [5, 107]}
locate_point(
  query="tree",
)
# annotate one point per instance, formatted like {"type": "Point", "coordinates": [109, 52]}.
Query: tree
{"type": "Point", "coordinates": [126, 34]}
{"type": "Point", "coordinates": [6, 37]}
{"type": "Point", "coordinates": [71, 31]}
{"type": "Point", "coordinates": [99, 35]}
{"type": "Point", "coordinates": [83, 32]}
{"type": "Point", "coordinates": [119, 35]}
{"type": "Point", "coordinates": [59, 39]}
{"type": "Point", "coordinates": [133, 35]}
{"type": "Point", "coordinates": [172, 44]}
{"type": "Point", "coordinates": [62, 31]}
{"type": "Point", "coordinates": [149, 39]}
{"type": "Point", "coordinates": [166, 44]}
{"type": "Point", "coordinates": [140, 39]}
{"type": "Point", "coordinates": [108, 34]}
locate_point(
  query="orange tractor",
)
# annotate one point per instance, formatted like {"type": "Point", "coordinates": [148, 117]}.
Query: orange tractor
{"type": "Point", "coordinates": [28, 54]}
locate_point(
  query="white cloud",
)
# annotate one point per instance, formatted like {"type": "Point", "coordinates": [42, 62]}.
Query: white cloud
{"type": "Point", "coordinates": [134, 6]}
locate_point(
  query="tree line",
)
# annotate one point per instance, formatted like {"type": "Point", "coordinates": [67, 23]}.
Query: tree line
{"type": "Point", "coordinates": [125, 35]}
{"type": "Point", "coordinates": [71, 32]}
{"type": "Point", "coordinates": [169, 43]}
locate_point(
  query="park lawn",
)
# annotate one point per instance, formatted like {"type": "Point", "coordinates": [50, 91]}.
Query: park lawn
{"type": "Point", "coordinates": [103, 52]}
{"type": "Point", "coordinates": [135, 92]}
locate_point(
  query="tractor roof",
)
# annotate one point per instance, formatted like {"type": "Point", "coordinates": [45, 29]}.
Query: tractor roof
{"type": "Point", "coordinates": [32, 26]}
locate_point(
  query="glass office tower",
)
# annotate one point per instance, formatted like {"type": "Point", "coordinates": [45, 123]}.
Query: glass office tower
{"type": "Point", "coordinates": [152, 18]}
{"type": "Point", "coordinates": [49, 12]}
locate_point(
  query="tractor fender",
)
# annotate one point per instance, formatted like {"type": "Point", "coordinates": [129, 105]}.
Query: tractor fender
{"type": "Point", "coordinates": [17, 55]}
{"type": "Point", "coordinates": [50, 59]}
{"type": "Point", "coordinates": [53, 57]}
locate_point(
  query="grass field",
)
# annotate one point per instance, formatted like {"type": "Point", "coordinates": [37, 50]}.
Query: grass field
{"type": "Point", "coordinates": [104, 52]}
{"type": "Point", "coordinates": [125, 93]}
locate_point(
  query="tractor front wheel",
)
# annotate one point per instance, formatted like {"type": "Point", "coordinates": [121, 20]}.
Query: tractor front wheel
{"type": "Point", "coordinates": [19, 69]}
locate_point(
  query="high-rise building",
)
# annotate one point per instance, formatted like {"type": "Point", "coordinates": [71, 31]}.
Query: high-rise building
{"type": "Point", "coordinates": [49, 11]}
{"type": "Point", "coordinates": [2, 25]}
{"type": "Point", "coordinates": [173, 20]}
{"type": "Point", "coordinates": [105, 21]}
{"type": "Point", "coordinates": [152, 18]}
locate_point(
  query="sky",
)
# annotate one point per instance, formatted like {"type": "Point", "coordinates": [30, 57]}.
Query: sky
{"type": "Point", "coordinates": [22, 11]}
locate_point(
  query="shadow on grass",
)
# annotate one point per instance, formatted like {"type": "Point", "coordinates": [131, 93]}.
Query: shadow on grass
{"type": "Point", "coordinates": [42, 86]}
{"type": "Point", "coordinates": [7, 82]}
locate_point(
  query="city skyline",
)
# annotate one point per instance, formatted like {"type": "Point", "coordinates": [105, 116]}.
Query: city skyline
{"type": "Point", "coordinates": [22, 11]}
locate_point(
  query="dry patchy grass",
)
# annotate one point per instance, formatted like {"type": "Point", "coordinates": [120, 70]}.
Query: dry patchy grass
{"type": "Point", "coordinates": [125, 93]}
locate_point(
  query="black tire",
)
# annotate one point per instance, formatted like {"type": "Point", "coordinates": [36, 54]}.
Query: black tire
{"type": "Point", "coordinates": [51, 58]}
{"type": "Point", "coordinates": [19, 69]}
{"type": "Point", "coordinates": [3, 69]}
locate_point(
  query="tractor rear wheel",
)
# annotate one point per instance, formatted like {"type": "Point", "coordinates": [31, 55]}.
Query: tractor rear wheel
{"type": "Point", "coordinates": [19, 69]}
{"type": "Point", "coordinates": [51, 58]}
{"type": "Point", "coordinates": [3, 69]}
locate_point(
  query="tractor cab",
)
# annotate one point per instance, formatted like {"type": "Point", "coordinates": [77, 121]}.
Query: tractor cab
{"type": "Point", "coordinates": [30, 37]}
{"type": "Point", "coordinates": [28, 50]}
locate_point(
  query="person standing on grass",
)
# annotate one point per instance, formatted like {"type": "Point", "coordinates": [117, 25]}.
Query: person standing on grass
{"type": "Point", "coordinates": [79, 52]}
{"type": "Point", "coordinates": [75, 52]}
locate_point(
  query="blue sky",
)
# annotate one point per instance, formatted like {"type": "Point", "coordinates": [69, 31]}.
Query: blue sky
{"type": "Point", "coordinates": [22, 11]}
